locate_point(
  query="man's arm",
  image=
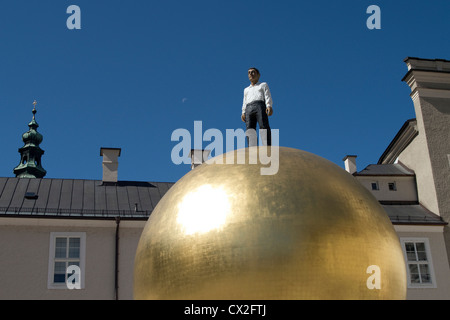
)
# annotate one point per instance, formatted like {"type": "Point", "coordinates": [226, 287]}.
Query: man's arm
{"type": "Point", "coordinates": [268, 99]}
{"type": "Point", "coordinates": [243, 107]}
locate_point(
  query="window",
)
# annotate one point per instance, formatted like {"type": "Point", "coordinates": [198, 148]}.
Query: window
{"type": "Point", "coordinates": [418, 262]}
{"type": "Point", "coordinates": [392, 186]}
{"type": "Point", "coordinates": [375, 186]}
{"type": "Point", "coordinates": [66, 249]}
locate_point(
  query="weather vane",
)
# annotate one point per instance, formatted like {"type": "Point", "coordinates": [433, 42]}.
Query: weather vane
{"type": "Point", "coordinates": [34, 108]}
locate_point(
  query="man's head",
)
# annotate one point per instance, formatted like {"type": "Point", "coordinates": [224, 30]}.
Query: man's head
{"type": "Point", "coordinates": [253, 75]}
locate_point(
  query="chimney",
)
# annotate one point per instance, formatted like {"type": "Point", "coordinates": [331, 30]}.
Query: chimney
{"type": "Point", "coordinates": [110, 163]}
{"type": "Point", "coordinates": [198, 156]}
{"type": "Point", "coordinates": [350, 164]}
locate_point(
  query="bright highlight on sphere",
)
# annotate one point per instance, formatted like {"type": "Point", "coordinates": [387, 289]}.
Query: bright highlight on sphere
{"type": "Point", "coordinates": [203, 209]}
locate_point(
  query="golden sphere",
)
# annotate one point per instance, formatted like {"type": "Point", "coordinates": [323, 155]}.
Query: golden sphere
{"type": "Point", "coordinates": [309, 231]}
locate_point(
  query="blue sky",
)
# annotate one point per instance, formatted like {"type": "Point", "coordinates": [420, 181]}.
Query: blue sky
{"type": "Point", "coordinates": [138, 70]}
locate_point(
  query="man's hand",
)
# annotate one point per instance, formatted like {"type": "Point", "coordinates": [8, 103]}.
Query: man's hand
{"type": "Point", "coordinates": [243, 117]}
{"type": "Point", "coordinates": [269, 111]}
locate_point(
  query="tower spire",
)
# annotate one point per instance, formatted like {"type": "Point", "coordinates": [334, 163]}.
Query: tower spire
{"type": "Point", "coordinates": [30, 154]}
{"type": "Point", "coordinates": [34, 109]}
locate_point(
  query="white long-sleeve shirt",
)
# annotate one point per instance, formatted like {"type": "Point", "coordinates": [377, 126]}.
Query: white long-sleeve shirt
{"type": "Point", "coordinates": [259, 91]}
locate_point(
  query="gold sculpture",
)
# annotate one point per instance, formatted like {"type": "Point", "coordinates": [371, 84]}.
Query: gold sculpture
{"type": "Point", "coordinates": [310, 231]}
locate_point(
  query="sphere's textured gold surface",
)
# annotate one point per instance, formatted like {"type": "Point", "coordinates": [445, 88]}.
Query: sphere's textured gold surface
{"type": "Point", "coordinates": [310, 231]}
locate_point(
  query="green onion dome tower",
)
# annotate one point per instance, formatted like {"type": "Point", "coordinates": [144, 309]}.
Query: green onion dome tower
{"type": "Point", "coordinates": [30, 154]}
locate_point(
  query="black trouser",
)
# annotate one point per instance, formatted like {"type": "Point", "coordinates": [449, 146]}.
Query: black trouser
{"type": "Point", "coordinates": [256, 112]}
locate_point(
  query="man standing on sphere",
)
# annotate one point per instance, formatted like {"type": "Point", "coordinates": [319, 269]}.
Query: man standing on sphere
{"type": "Point", "coordinates": [256, 107]}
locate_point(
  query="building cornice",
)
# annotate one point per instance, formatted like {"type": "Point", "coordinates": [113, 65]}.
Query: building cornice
{"type": "Point", "coordinates": [430, 93]}
{"type": "Point", "coordinates": [14, 220]}
{"type": "Point", "coordinates": [418, 228]}
{"type": "Point", "coordinates": [425, 74]}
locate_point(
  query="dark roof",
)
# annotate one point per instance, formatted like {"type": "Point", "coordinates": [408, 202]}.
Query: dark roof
{"type": "Point", "coordinates": [94, 199]}
{"type": "Point", "coordinates": [79, 198]}
{"type": "Point", "coordinates": [395, 169]}
{"type": "Point", "coordinates": [411, 214]}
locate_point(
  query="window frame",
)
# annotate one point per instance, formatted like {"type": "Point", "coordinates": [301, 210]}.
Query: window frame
{"type": "Point", "coordinates": [376, 184]}
{"type": "Point", "coordinates": [394, 186]}
{"type": "Point", "coordinates": [429, 261]}
{"type": "Point", "coordinates": [52, 259]}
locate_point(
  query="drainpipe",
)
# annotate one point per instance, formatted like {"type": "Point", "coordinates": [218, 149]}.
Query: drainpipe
{"type": "Point", "coordinates": [116, 261]}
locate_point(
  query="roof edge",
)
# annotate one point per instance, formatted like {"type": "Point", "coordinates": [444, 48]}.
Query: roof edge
{"type": "Point", "coordinates": [401, 140]}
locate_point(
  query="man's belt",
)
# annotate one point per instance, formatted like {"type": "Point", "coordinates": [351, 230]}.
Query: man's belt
{"type": "Point", "coordinates": [256, 103]}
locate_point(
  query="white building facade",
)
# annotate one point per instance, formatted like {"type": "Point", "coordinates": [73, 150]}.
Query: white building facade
{"type": "Point", "coordinates": [412, 180]}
